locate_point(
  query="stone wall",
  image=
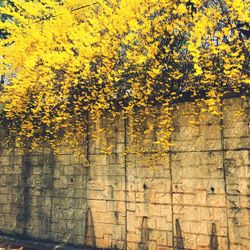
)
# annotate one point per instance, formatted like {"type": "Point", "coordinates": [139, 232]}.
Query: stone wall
{"type": "Point", "coordinates": [195, 197]}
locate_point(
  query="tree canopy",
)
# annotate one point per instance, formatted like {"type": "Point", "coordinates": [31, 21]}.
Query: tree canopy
{"type": "Point", "coordinates": [71, 61]}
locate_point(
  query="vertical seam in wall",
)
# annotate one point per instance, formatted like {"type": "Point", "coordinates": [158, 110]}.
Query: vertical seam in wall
{"type": "Point", "coordinates": [171, 196]}
{"type": "Point", "coordinates": [224, 169]}
{"type": "Point", "coordinates": [51, 194]}
{"type": "Point", "coordinates": [87, 147]}
{"type": "Point", "coordinates": [126, 182]}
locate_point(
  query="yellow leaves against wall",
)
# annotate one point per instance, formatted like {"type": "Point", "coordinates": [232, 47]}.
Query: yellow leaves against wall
{"type": "Point", "coordinates": [68, 62]}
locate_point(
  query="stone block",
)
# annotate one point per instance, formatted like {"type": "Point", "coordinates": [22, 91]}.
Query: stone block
{"type": "Point", "coordinates": [202, 242]}
{"type": "Point", "coordinates": [159, 236]}
{"type": "Point", "coordinates": [119, 195]}
{"type": "Point", "coordinates": [162, 223]}
{"type": "Point", "coordinates": [121, 206]}
{"type": "Point", "coordinates": [132, 245]}
{"type": "Point", "coordinates": [197, 144]}
{"type": "Point", "coordinates": [80, 168]}
{"type": "Point", "coordinates": [133, 222]}
{"type": "Point", "coordinates": [99, 205]}
{"type": "Point", "coordinates": [112, 206]}
{"type": "Point", "coordinates": [152, 245]}
{"type": "Point", "coordinates": [216, 200]}
{"type": "Point", "coordinates": [98, 159]}
{"type": "Point", "coordinates": [3, 180]}
{"type": "Point", "coordinates": [154, 209]}
{"type": "Point", "coordinates": [190, 241]}
{"type": "Point", "coordinates": [117, 232]}
{"type": "Point", "coordinates": [3, 198]}
{"type": "Point", "coordinates": [142, 197]}
{"type": "Point", "coordinates": [60, 183]}
{"type": "Point", "coordinates": [133, 237]}
{"type": "Point", "coordinates": [64, 160]}
{"type": "Point", "coordinates": [240, 130]}
{"type": "Point", "coordinates": [237, 143]}
{"type": "Point", "coordinates": [141, 209]}
{"type": "Point", "coordinates": [107, 241]}
{"type": "Point", "coordinates": [166, 212]}
{"type": "Point", "coordinates": [163, 198]}
{"type": "Point", "coordinates": [103, 217]}
{"type": "Point", "coordinates": [4, 160]}
{"type": "Point", "coordinates": [186, 133]}
{"type": "Point", "coordinates": [69, 170]}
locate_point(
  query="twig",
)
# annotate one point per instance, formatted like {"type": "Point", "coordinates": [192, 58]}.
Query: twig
{"type": "Point", "coordinates": [73, 9]}
{"type": "Point", "coordinates": [83, 7]}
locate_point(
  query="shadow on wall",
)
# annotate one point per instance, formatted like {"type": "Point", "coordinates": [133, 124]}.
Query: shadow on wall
{"type": "Point", "coordinates": [89, 240]}
{"type": "Point", "coordinates": [24, 213]}
{"type": "Point", "coordinates": [179, 242]}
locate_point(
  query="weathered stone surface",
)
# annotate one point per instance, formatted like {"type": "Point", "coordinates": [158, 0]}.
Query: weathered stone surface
{"type": "Point", "coordinates": [194, 197]}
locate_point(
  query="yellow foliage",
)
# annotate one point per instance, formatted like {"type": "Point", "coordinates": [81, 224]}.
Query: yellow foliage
{"type": "Point", "coordinates": [71, 62]}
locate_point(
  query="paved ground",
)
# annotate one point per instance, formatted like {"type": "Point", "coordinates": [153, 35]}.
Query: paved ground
{"type": "Point", "coordinates": [8, 243]}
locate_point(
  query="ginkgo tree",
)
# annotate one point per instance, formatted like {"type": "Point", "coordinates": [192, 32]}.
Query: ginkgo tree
{"type": "Point", "coordinates": [68, 63]}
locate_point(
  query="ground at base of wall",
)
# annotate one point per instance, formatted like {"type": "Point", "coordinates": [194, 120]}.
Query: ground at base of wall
{"type": "Point", "coordinates": [9, 243]}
